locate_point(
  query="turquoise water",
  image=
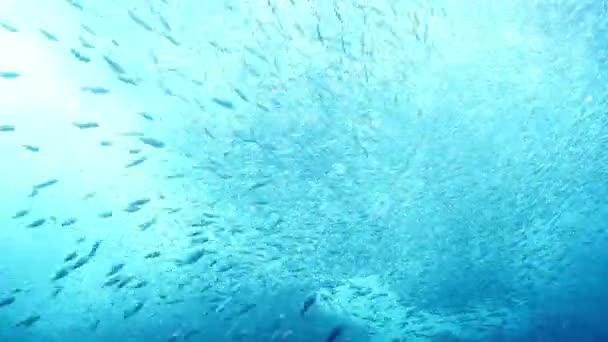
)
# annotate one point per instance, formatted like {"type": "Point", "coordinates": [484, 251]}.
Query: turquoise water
{"type": "Point", "coordinates": [303, 170]}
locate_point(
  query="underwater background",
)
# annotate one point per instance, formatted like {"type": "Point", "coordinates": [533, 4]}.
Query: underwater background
{"type": "Point", "coordinates": [303, 170]}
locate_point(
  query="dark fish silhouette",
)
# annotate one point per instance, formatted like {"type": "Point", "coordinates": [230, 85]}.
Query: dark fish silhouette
{"type": "Point", "coordinates": [308, 303]}
{"type": "Point", "coordinates": [335, 333]}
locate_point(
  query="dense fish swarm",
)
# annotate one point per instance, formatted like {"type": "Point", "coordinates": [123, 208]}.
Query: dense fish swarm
{"type": "Point", "coordinates": [303, 170]}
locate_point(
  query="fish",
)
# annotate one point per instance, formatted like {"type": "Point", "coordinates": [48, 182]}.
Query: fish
{"type": "Point", "coordinates": [88, 29]}
{"type": "Point", "coordinates": [246, 308]}
{"type": "Point", "coordinates": [139, 21]}
{"type": "Point", "coordinates": [195, 233]}
{"type": "Point", "coordinates": [241, 95]}
{"type": "Point", "coordinates": [128, 80]}
{"type": "Point", "coordinates": [61, 273]}
{"type": "Point", "coordinates": [207, 133]}
{"type": "Point", "coordinates": [71, 256]}
{"type": "Point", "coordinates": [96, 90]}
{"type": "Point", "coordinates": [152, 255]}
{"type": "Point", "coordinates": [94, 325]}
{"type": "Point", "coordinates": [147, 224]}
{"type": "Point", "coordinates": [164, 22]}
{"type": "Point", "coordinates": [28, 322]}
{"type": "Point", "coordinates": [190, 334]}
{"type": "Point", "coordinates": [260, 184]}
{"type": "Point", "coordinates": [146, 116]}
{"type": "Point", "coordinates": [79, 56]}
{"type": "Point", "coordinates": [200, 105]}
{"type": "Point", "coordinates": [125, 281]}
{"type": "Point", "coordinates": [37, 187]}
{"type": "Point", "coordinates": [224, 268]}
{"type": "Point", "coordinates": [174, 301]}
{"type": "Point", "coordinates": [171, 39]}
{"type": "Point", "coordinates": [69, 221]}
{"type": "Point", "coordinates": [140, 284]}
{"type": "Point", "coordinates": [21, 213]}
{"type": "Point", "coordinates": [136, 205]}
{"type": "Point", "coordinates": [89, 195]}
{"type": "Point", "coordinates": [56, 291]}
{"type": "Point", "coordinates": [31, 148]}
{"type": "Point", "coordinates": [152, 142]}
{"type": "Point", "coordinates": [48, 35]}
{"type": "Point", "coordinates": [335, 333]}
{"type": "Point", "coordinates": [7, 128]}
{"type": "Point", "coordinates": [85, 43]}
{"type": "Point", "coordinates": [132, 209]}
{"type": "Point", "coordinates": [191, 258]}
{"type": "Point", "coordinates": [10, 75]}
{"type": "Point", "coordinates": [308, 303]}
{"type": "Point", "coordinates": [210, 216]}
{"type": "Point", "coordinates": [36, 223]}
{"type": "Point", "coordinates": [6, 301]}
{"type": "Point", "coordinates": [199, 240]}
{"type": "Point", "coordinates": [105, 214]}
{"type": "Point", "coordinates": [77, 5]}
{"type": "Point", "coordinates": [83, 260]}
{"type": "Point", "coordinates": [85, 124]}
{"type": "Point", "coordinates": [94, 248]}
{"type": "Point", "coordinates": [111, 281]}
{"type": "Point", "coordinates": [136, 162]}
{"type": "Point", "coordinates": [8, 27]}
{"type": "Point", "coordinates": [116, 68]}
{"type": "Point", "coordinates": [262, 107]}
{"type": "Point", "coordinates": [133, 310]}
{"type": "Point", "coordinates": [115, 269]}
{"type": "Point", "coordinates": [223, 103]}
{"type": "Point", "coordinates": [337, 13]}
{"type": "Point", "coordinates": [46, 184]}
{"type": "Point", "coordinates": [256, 54]}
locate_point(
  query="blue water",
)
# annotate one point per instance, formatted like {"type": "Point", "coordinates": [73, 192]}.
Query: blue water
{"type": "Point", "coordinates": [303, 170]}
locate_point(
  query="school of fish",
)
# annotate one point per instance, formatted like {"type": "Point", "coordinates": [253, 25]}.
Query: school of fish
{"type": "Point", "coordinates": [294, 170]}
